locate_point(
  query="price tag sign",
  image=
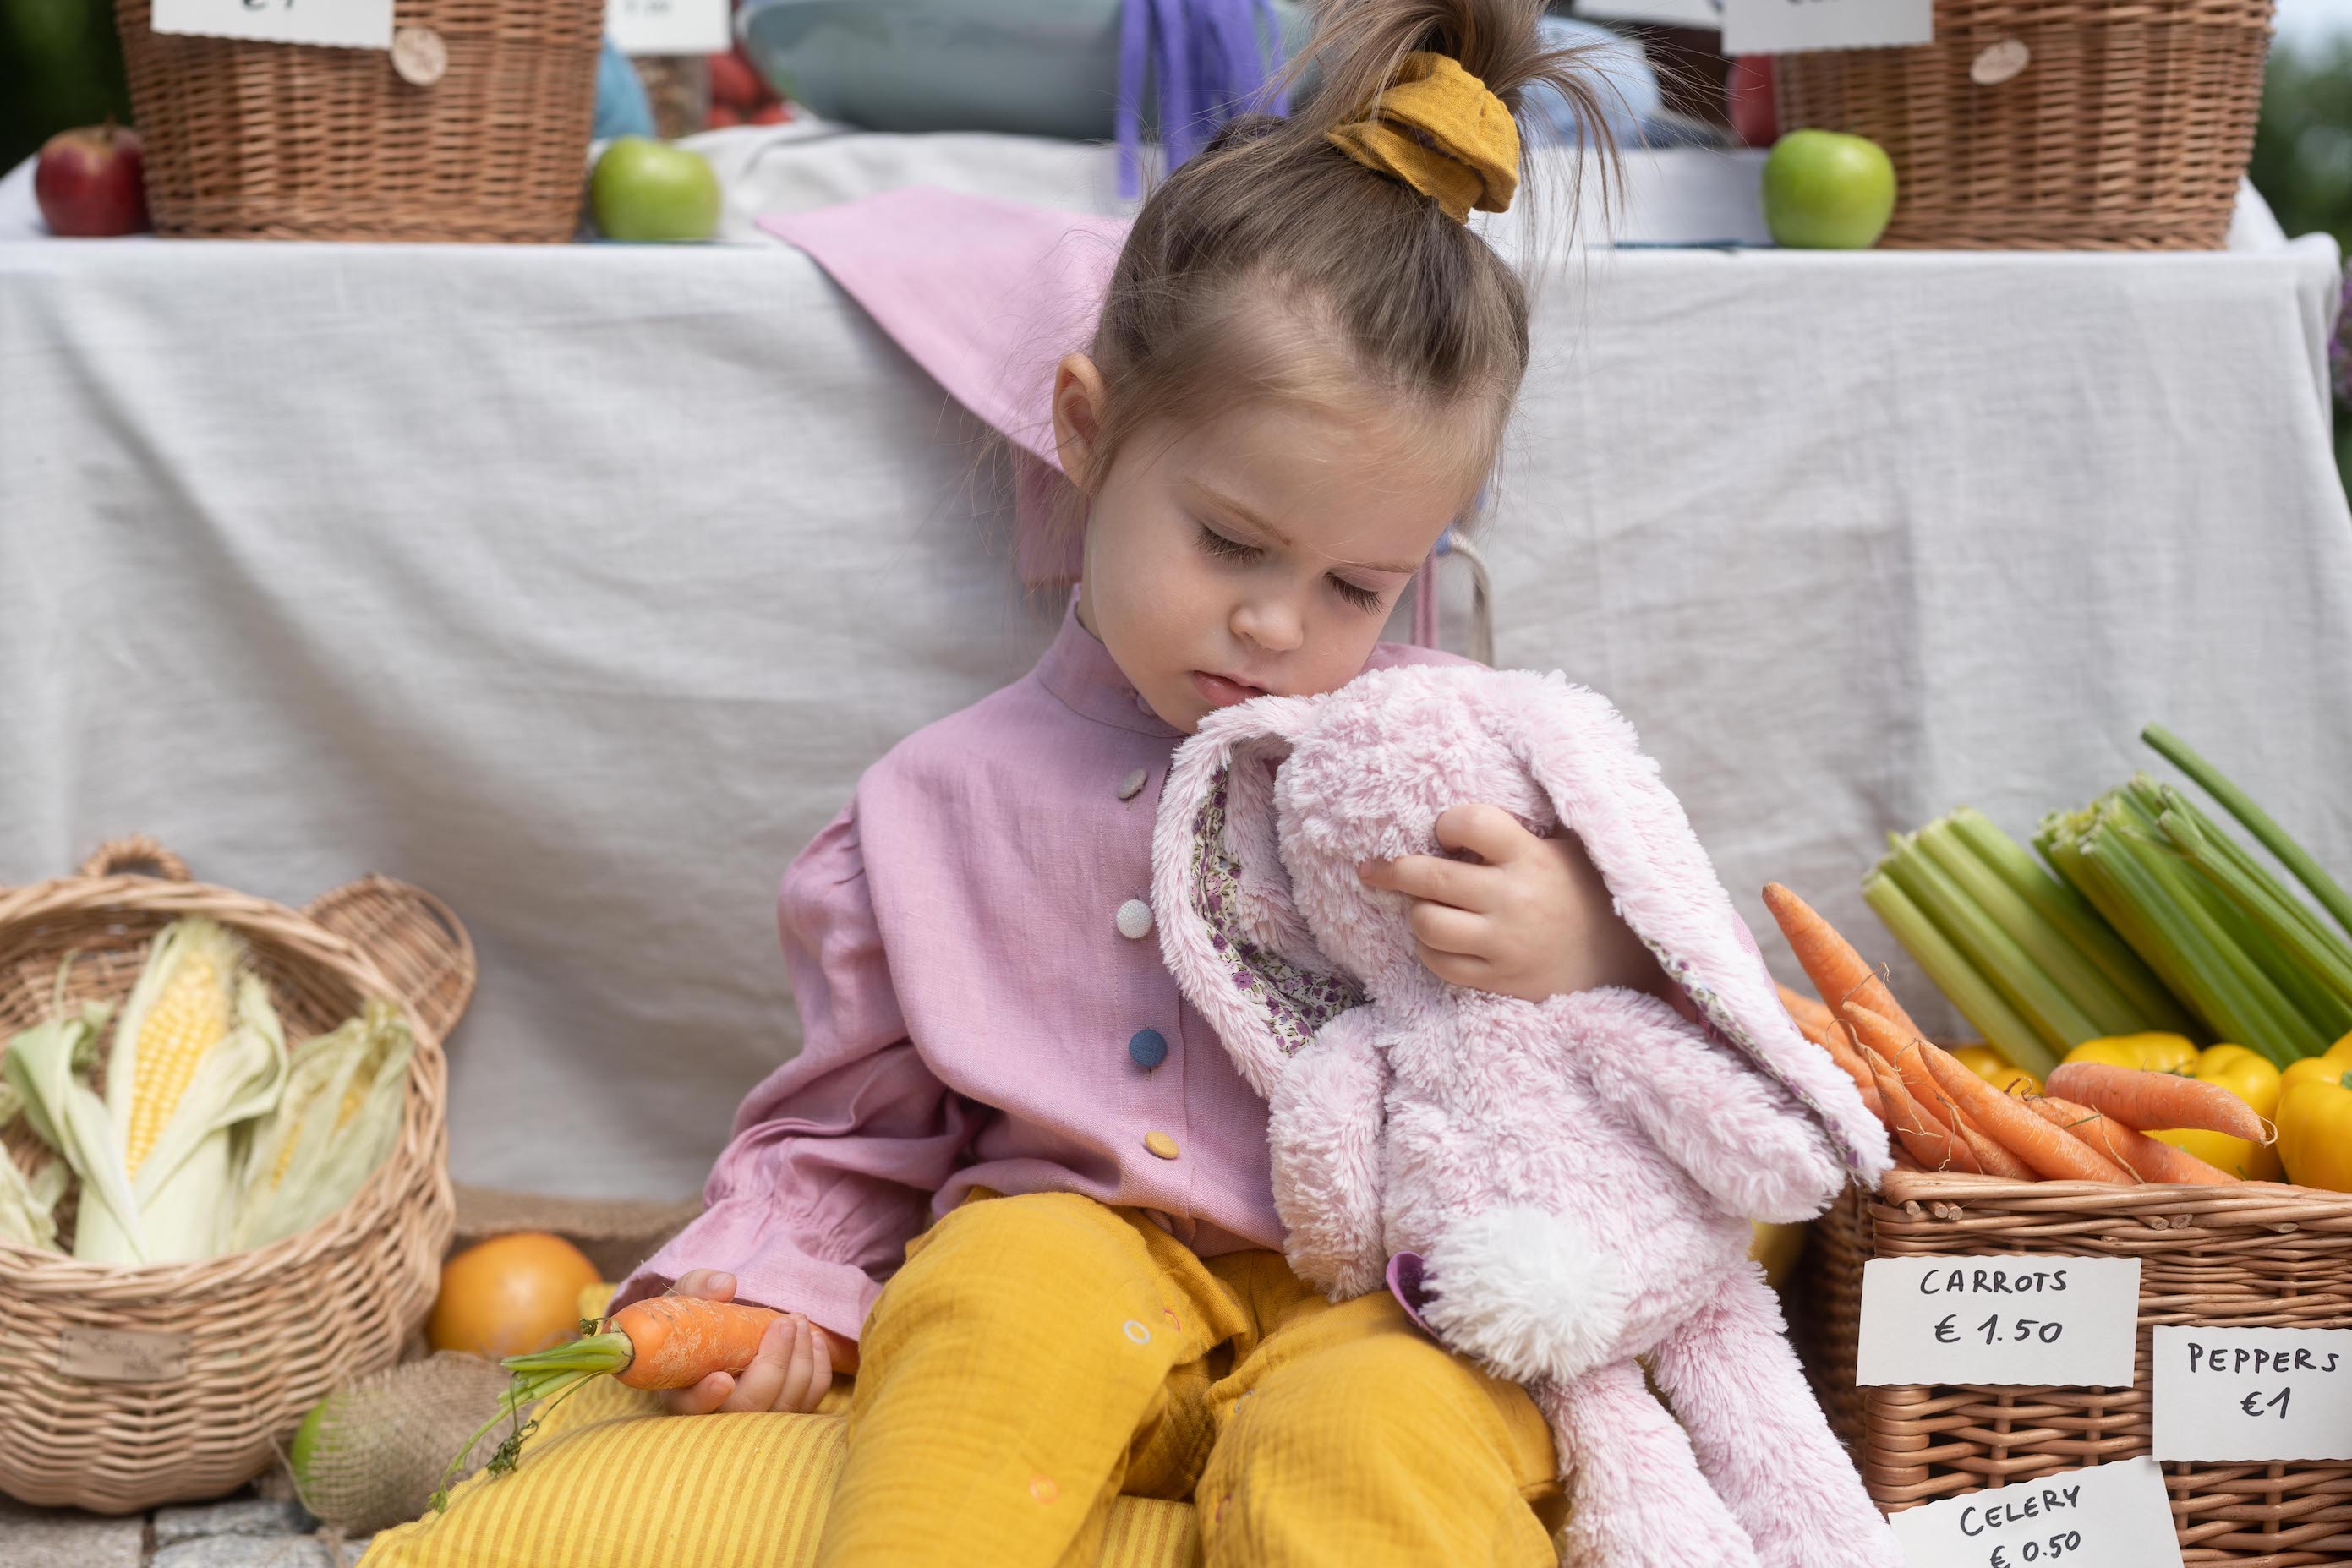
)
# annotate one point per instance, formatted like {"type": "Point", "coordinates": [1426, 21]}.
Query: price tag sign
{"type": "Point", "coordinates": [1790, 27]}
{"type": "Point", "coordinates": [2253, 1393]}
{"type": "Point", "coordinates": [2107, 1516]}
{"type": "Point", "coordinates": [2050, 1321]}
{"type": "Point", "coordinates": [670, 26]}
{"type": "Point", "coordinates": [340, 24]}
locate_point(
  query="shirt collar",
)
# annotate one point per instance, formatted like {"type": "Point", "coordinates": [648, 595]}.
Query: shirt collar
{"type": "Point", "coordinates": [1079, 670]}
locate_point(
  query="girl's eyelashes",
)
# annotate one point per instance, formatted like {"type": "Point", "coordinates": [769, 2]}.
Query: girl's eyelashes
{"type": "Point", "coordinates": [1225, 549]}
{"type": "Point", "coordinates": [1218, 545]}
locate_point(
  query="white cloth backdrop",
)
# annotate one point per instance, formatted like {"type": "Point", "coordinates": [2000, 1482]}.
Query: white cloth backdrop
{"type": "Point", "coordinates": [578, 584]}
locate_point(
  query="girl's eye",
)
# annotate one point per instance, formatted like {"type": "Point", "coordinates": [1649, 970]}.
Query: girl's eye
{"type": "Point", "coordinates": [1218, 545]}
{"type": "Point", "coordinates": [1362, 598]}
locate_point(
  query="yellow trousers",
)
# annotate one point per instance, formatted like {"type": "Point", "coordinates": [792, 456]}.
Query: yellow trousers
{"type": "Point", "coordinates": [1039, 1356]}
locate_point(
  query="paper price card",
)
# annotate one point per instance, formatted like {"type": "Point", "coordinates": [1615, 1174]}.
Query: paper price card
{"type": "Point", "coordinates": [670, 26]}
{"type": "Point", "coordinates": [2055, 1322]}
{"type": "Point", "coordinates": [1789, 26]}
{"type": "Point", "coordinates": [345, 24]}
{"type": "Point", "coordinates": [2107, 1516]}
{"type": "Point", "coordinates": [2253, 1393]}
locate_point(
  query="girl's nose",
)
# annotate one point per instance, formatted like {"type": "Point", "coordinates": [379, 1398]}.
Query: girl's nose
{"type": "Point", "coordinates": [1271, 623]}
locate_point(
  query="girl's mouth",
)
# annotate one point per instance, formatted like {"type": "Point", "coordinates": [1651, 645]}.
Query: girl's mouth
{"type": "Point", "coordinates": [1223, 691]}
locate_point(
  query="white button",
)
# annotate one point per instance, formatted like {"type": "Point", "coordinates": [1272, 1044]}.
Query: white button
{"type": "Point", "coordinates": [1135, 920]}
{"type": "Point", "coordinates": [1132, 785]}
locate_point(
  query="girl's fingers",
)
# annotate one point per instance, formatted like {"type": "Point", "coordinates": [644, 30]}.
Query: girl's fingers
{"type": "Point", "coordinates": [1491, 833]}
{"type": "Point", "coordinates": [1457, 968]}
{"type": "Point", "coordinates": [811, 1374]}
{"type": "Point", "coordinates": [709, 1284]}
{"type": "Point", "coordinates": [1434, 880]}
{"type": "Point", "coordinates": [763, 1380]}
{"type": "Point", "coordinates": [702, 1398]}
{"type": "Point", "coordinates": [1449, 930]}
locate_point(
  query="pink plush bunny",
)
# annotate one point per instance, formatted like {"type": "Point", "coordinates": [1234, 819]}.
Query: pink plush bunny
{"type": "Point", "coordinates": [1570, 1180]}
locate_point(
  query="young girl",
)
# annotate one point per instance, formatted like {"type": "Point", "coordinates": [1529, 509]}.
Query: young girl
{"type": "Point", "coordinates": [1010, 1167]}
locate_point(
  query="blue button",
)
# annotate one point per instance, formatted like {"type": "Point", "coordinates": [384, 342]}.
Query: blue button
{"type": "Point", "coordinates": [1149, 1047]}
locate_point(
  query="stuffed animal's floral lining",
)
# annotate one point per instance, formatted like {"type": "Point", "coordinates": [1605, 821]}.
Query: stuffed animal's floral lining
{"type": "Point", "coordinates": [1298, 1002]}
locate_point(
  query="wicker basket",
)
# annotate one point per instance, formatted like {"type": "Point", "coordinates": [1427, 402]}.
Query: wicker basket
{"type": "Point", "coordinates": [2258, 1255]}
{"type": "Point", "coordinates": [257, 141]}
{"type": "Point", "coordinates": [2053, 124]}
{"type": "Point", "coordinates": [184, 1374]}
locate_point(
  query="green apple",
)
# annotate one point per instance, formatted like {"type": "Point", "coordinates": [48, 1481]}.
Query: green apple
{"type": "Point", "coordinates": [1824, 190]}
{"type": "Point", "coordinates": [648, 190]}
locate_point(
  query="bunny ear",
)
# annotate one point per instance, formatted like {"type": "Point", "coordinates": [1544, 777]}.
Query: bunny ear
{"type": "Point", "coordinates": [1583, 754]}
{"type": "Point", "coordinates": [1221, 898]}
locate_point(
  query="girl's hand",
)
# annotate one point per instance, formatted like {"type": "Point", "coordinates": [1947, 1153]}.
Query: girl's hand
{"type": "Point", "coordinates": [792, 1371]}
{"type": "Point", "coordinates": [1530, 918]}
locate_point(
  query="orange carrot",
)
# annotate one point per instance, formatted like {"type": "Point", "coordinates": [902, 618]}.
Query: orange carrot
{"type": "Point", "coordinates": [2051, 1153]}
{"type": "Point", "coordinates": [1831, 1039]}
{"type": "Point", "coordinates": [1830, 961]}
{"type": "Point", "coordinates": [1918, 1129]}
{"type": "Point", "coordinates": [2146, 1157]}
{"type": "Point", "coordinates": [662, 1342]}
{"type": "Point", "coordinates": [1995, 1159]}
{"type": "Point", "coordinates": [1808, 1013]}
{"type": "Point", "coordinates": [2141, 1100]}
{"type": "Point", "coordinates": [2022, 1132]}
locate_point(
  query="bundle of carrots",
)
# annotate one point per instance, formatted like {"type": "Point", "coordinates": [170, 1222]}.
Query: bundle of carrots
{"type": "Point", "coordinates": [2091, 1123]}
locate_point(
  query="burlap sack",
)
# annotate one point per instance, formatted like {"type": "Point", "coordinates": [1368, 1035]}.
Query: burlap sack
{"type": "Point", "coordinates": [385, 1443]}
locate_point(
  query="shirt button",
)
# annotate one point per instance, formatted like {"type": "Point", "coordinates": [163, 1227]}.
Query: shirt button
{"type": "Point", "coordinates": [1135, 920]}
{"type": "Point", "coordinates": [1160, 1144]}
{"type": "Point", "coordinates": [1149, 1047]}
{"type": "Point", "coordinates": [1132, 785]}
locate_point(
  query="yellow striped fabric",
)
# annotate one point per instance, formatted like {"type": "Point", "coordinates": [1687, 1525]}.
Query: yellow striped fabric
{"type": "Point", "coordinates": [610, 1481]}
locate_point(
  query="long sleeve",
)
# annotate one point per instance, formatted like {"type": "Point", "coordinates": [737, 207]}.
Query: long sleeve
{"type": "Point", "coordinates": [835, 1155]}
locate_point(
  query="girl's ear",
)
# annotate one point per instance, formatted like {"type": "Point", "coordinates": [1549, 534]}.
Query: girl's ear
{"type": "Point", "coordinates": [1079, 402]}
{"type": "Point", "coordinates": [1583, 755]}
{"type": "Point", "coordinates": [1228, 929]}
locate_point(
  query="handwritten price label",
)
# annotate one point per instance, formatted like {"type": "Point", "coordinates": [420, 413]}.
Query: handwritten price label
{"type": "Point", "coordinates": [669, 27]}
{"type": "Point", "coordinates": [2107, 1516]}
{"type": "Point", "coordinates": [1988, 1322]}
{"type": "Point", "coordinates": [2253, 1393]}
{"type": "Point", "coordinates": [1788, 27]}
{"type": "Point", "coordinates": [339, 24]}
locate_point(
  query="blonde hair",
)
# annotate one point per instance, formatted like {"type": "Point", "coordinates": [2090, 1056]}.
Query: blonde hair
{"type": "Point", "coordinates": [1274, 258]}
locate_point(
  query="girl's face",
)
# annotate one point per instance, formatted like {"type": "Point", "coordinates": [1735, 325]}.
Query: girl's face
{"type": "Point", "coordinates": [1260, 551]}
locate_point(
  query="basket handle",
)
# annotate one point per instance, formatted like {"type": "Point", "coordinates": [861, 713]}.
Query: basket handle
{"type": "Point", "coordinates": [117, 855]}
{"type": "Point", "coordinates": [416, 941]}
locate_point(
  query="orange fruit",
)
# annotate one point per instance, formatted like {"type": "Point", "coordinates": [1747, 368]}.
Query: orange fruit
{"type": "Point", "coordinates": [511, 1295]}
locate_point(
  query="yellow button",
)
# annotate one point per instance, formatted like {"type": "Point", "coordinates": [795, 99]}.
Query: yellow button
{"type": "Point", "coordinates": [1160, 1144]}
{"type": "Point", "coordinates": [1043, 1489]}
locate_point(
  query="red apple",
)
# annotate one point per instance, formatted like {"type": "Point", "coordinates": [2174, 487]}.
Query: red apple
{"type": "Point", "coordinates": [89, 182]}
{"type": "Point", "coordinates": [721, 115]}
{"type": "Point", "coordinates": [735, 84]}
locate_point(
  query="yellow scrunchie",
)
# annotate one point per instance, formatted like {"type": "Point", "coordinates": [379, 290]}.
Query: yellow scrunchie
{"type": "Point", "coordinates": [1439, 129]}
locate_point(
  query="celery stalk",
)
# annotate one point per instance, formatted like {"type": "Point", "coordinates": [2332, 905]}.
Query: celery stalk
{"type": "Point", "coordinates": [2255, 820]}
{"type": "Point", "coordinates": [2196, 954]}
{"type": "Point", "coordinates": [2064, 907]}
{"type": "Point", "coordinates": [2316, 939]}
{"type": "Point", "coordinates": [2108, 1010]}
{"type": "Point", "coordinates": [1958, 978]}
{"type": "Point", "coordinates": [2318, 981]}
{"type": "Point", "coordinates": [1996, 955]}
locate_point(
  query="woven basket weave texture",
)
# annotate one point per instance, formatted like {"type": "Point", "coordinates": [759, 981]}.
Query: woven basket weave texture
{"type": "Point", "coordinates": [2256, 1255]}
{"type": "Point", "coordinates": [261, 140]}
{"type": "Point", "coordinates": [224, 1355]}
{"type": "Point", "coordinates": [2128, 128]}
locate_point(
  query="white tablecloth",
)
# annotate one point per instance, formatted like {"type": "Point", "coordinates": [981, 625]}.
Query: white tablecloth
{"type": "Point", "coordinates": [578, 584]}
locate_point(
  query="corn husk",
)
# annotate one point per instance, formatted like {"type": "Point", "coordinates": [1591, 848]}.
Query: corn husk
{"type": "Point", "coordinates": [43, 1067]}
{"type": "Point", "coordinates": [335, 1123]}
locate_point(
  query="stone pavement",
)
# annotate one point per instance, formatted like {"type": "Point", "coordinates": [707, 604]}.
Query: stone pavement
{"type": "Point", "coordinates": [246, 1531]}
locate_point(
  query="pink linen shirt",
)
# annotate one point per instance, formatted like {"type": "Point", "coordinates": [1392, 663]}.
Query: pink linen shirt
{"type": "Point", "coordinates": [970, 1006]}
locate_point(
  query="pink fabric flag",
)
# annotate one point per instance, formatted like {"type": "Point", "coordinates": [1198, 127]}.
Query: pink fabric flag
{"type": "Point", "coordinates": [986, 296]}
